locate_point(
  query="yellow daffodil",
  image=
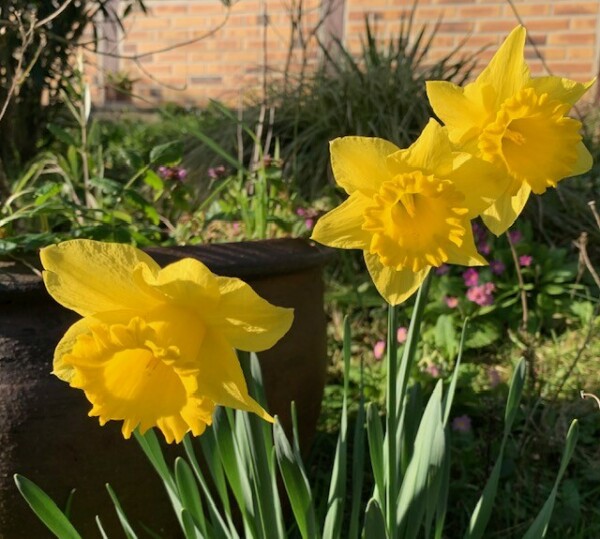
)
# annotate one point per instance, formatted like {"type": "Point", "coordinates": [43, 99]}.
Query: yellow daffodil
{"type": "Point", "coordinates": [408, 210]}
{"type": "Point", "coordinates": [155, 347]}
{"type": "Point", "coordinates": [518, 123]}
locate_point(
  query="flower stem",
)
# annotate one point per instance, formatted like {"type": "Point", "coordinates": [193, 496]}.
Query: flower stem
{"type": "Point", "coordinates": [391, 495]}
{"type": "Point", "coordinates": [513, 251]}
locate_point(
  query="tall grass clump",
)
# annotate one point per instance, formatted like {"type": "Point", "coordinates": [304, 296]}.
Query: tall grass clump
{"type": "Point", "coordinates": [378, 92]}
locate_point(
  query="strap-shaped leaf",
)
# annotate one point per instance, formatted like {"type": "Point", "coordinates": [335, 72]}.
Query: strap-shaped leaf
{"type": "Point", "coordinates": [45, 509]}
{"type": "Point", "coordinates": [374, 521]}
{"type": "Point", "coordinates": [123, 520]}
{"type": "Point", "coordinates": [189, 494]}
{"type": "Point", "coordinates": [540, 525]}
{"type": "Point", "coordinates": [426, 463]}
{"type": "Point", "coordinates": [296, 483]}
{"type": "Point", "coordinates": [483, 509]}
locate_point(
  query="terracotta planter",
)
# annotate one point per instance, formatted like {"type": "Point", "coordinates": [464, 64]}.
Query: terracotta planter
{"type": "Point", "coordinates": [46, 435]}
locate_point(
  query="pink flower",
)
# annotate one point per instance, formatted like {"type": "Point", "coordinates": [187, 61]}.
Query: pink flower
{"type": "Point", "coordinates": [235, 226]}
{"type": "Point", "coordinates": [214, 173]}
{"type": "Point", "coordinates": [497, 267]}
{"type": "Point", "coordinates": [379, 349]}
{"type": "Point", "coordinates": [433, 370]}
{"type": "Point", "coordinates": [461, 423]}
{"type": "Point", "coordinates": [525, 260]}
{"type": "Point", "coordinates": [451, 301]}
{"type": "Point", "coordinates": [402, 334]}
{"type": "Point", "coordinates": [172, 173]}
{"type": "Point", "coordinates": [442, 270]}
{"type": "Point", "coordinates": [471, 277]}
{"type": "Point", "coordinates": [515, 236]}
{"type": "Point", "coordinates": [484, 248]}
{"type": "Point", "coordinates": [309, 223]}
{"type": "Point", "coordinates": [481, 294]}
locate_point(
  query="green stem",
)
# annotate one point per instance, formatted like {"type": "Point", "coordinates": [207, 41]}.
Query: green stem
{"type": "Point", "coordinates": [391, 495]}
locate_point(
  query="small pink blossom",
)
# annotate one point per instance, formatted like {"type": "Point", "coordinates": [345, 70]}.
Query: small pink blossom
{"type": "Point", "coordinates": [471, 277]}
{"type": "Point", "coordinates": [525, 260]}
{"type": "Point", "coordinates": [515, 236]}
{"type": "Point", "coordinates": [497, 267]}
{"type": "Point", "coordinates": [442, 270]}
{"type": "Point", "coordinates": [451, 301]}
{"type": "Point", "coordinates": [402, 334]}
{"type": "Point", "coordinates": [461, 424]}
{"type": "Point", "coordinates": [379, 349]}
{"type": "Point", "coordinates": [481, 294]}
{"type": "Point", "coordinates": [433, 370]}
{"type": "Point", "coordinates": [235, 226]}
{"type": "Point", "coordinates": [214, 173]}
{"type": "Point", "coordinates": [172, 173]}
{"type": "Point", "coordinates": [484, 248]}
{"type": "Point", "coordinates": [309, 223]}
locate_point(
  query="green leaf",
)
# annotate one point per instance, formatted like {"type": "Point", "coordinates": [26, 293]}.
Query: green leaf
{"type": "Point", "coordinates": [167, 154]}
{"type": "Point", "coordinates": [375, 438]}
{"type": "Point", "coordinates": [445, 334]}
{"type": "Point", "coordinates": [333, 520]}
{"type": "Point", "coordinates": [296, 483]}
{"type": "Point", "coordinates": [514, 394]}
{"type": "Point", "coordinates": [483, 510]}
{"type": "Point", "coordinates": [153, 180]}
{"type": "Point", "coordinates": [540, 525]}
{"type": "Point", "coordinates": [374, 526]}
{"type": "Point", "coordinates": [481, 333]}
{"type": "Point", "coordinates": [189, 494]}
{"type": "Point", "coordinates": [45, 509]}
{"type": "Point", "coordinates": [62, 135]}
{"type": "Point", "coordinates": [129, 533]}
{"type": "Point", "coordinates": [449, 397]}
{"type": "Point", "coordinates": [426, 463]}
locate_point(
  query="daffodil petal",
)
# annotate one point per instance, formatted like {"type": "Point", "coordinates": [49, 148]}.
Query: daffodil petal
{"type": "Point", "coordinates": [431, 152]}
{"type": "Point", "coordinates": [394, 285]}
{"type": "Point", "coordinates": [222, 379]}
{"type": "Point", "coordinates": [564, 90]}
{"type": "Point", "coordinates": [342, 226]}
{"type": "Point", "coordinates": [462, 116]}
{"type": "Point", "coordinates": [89, 276]}
{"type": "Point", "coordinates": [584, 160]}
{"type": "Point", "coordinates": [504, 212]}
{"type": "Point", "coordinates": [466, 254]}
{"type": "Point", "coordinates": [359, 163]}
{"type": "Point", "coordinates": [247, 321]}
{"type": "Point", "coordinates": [60, 368]}
{"type": "Point", "coordinates": [479, 181]}
{"type": "Point", "coordinates": [187, 282]}
{"type": "Point", "coordinates": [507, 71]}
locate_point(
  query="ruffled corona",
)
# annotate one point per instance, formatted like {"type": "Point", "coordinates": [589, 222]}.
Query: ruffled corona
{"type": "Point", "coordinates": [413, 219]}
{"type": "Point", "coordinates": [128, 374]}
{"type": "Point", "coordinates": [532, 139]}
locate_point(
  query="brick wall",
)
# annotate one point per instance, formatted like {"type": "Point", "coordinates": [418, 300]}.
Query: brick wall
{"type": "Point", "coordinates": [233, 52]}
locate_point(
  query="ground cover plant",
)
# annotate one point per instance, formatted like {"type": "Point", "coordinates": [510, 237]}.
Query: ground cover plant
{"type": "Point", "coordinates": [509, 419]}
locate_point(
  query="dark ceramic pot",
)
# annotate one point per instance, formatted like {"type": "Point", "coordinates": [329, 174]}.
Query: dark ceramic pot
{"type": "Point", "coordinates": [46, 435]}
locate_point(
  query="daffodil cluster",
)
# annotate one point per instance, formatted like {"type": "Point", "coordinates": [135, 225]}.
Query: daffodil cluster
{"type": "Point", "coordinates": [155, 347]}
{"type": "Point", "coordinates": [505, 135]}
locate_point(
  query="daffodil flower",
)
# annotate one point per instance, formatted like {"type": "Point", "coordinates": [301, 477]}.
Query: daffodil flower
{"type": "Point", "coordinates": [155, 347]}
{"type": "Point", "coordinates": [518, 123]}
{"type": "Point", "coordinates": [408, 210]}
